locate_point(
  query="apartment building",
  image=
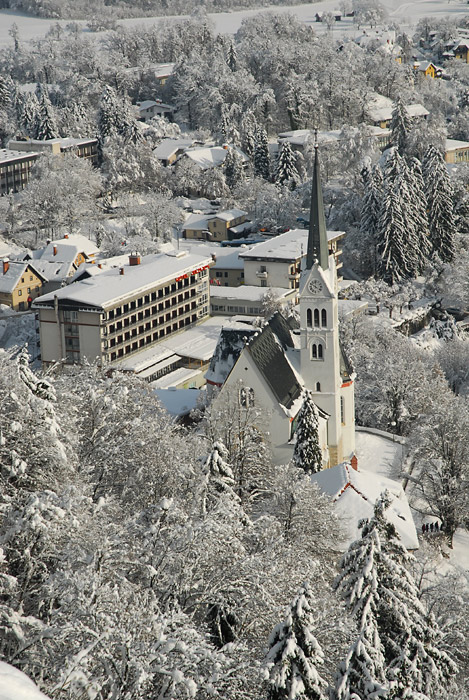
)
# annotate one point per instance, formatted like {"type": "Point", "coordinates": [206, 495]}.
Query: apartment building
{"type": "Point", "coordinates": [125, 310]}
{"type": "Point", "coordinates": [15, 169]}
{"type": "Point", "coordinates": [83, 148]}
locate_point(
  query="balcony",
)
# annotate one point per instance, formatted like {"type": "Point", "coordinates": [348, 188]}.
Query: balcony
{"type": "Point", "coordinates": [262, 274]}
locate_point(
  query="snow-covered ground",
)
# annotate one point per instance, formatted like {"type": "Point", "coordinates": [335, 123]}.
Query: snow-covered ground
{"type": "Point", "coordinates": [406, 14]}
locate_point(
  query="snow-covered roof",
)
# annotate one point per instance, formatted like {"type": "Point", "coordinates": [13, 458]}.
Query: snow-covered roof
{"type": "Point", "coordinates": [163, 70]}
{"type": "Point", "coordinates": [453, 144]}
{"type": "Point", "coordinates": [461, 43]}
{"type": "Point", "coordinates": [248, 292]}
{"type": "Point", "coordinates": [173, 380]}
{"type": "Point", "coordinates": [228, 258]}
{"type": "Point", "coordinates": [210, 157]}
{"type": "Point", "coordinates": [16, 685]}
{"type": "Point", "coordinates": [379, 109]}
{"type": "Point", "coordinates": [66, 249]}
{"type": "Point", "coordinates": [178, 402]}
{"type": "Point", "coordinates": [354, 494]}
{"type": "Point", "coordinates": [169, 147]}
{"type": "Point", "coordinates": [287, 246]}
{"type": "Point", "coordinates": [108, 288]}
{"type": "Point", "coordinates": [7, 155]}
{"type": "Point", "coordinates": [16, 269]}
{"type": "Point", "coordinates": [298, 137]}
{"type": "Point", "coordinates": [230, 214]}
{"type": "Point", "coordinates": [196, 222]}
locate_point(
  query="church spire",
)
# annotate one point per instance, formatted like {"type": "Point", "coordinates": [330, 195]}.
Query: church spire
{"type": "Point", "coordinates": [318, 248]}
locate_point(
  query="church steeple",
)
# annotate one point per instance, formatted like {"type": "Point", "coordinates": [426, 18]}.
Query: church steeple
{"type": "Point", "coordinates": [318, 248]}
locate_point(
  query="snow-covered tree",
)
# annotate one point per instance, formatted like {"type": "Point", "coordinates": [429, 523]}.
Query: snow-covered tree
{"type": "Point", "coordinates": [220, 482]}
{"type": "Point", "coordinates": [369, 214]}
{"type": "Point", "coordinates": [400, 125]}
{"type": "Point", "coordinates": [291, 664]}
{"type": "Point", "coordinates": [261, 154]}
{"type": "Point", "coordinates": [233, 167]}
{"type": "Point", "coordinates": [439, 195]}
{"type": "Point", "coordinates": [286, 172]}
{"type": "Point", "coordinates": [232, 57]}
{"type": "Point", "coordinates": [307, 453]}
{"type": "Point", "coordinates": [29, 116]}
{"type": "Point", "coordinates": [47, 125]}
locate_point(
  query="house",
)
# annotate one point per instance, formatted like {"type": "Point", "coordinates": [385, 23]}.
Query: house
{"type": "Point", "coordinates": [83, 148]}
{"type": "Point", "coordinates": [20, 284]}
{"type": "Point", "coordinates": [15, 169]}
{"type": "Point", "coordinates": [428, 69]}
{"type": "Point", "coordinates": [456, 151]}
{"type": "Point", "coordinates": [169, 150]}
{"type": "Point", "coordinates": [379, 111]}
{"type": "Point", "coordinates": [154, 108]}
{"type": "Point", "coordinates": [206, 157]}
{"type": "Point", "coordinates": [222, 226]}
{"type": "Point", "coordinates": [278, 363]}
{"type": "Point", "coordinates": [246, 300]}
{"type": "Point", "coordinates": [123, 311]}
{"type": "Point", "coordinates": [354, 493]}
{"type": "Point", "coordinates": [460, 50]}
{"type": "Point", "coordinates": [228, 268]}
{"type": "Point", "coordinates": [60, 259]}
{"type": "Point", "coordinates": [163, 71]}
{"type": "Point", "coordinates": [277, 261]}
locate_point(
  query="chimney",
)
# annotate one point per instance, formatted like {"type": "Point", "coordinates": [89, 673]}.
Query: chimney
{"type": "Point", "coordinates": [48, 241]}
{"type": "Point", "coordinates": [100, 266]}
{"type": "Point", "coordinates": [134, 259]}
{"type": "Point", "coordinates": [65, 235]}
{"type": "Point", "coordinates": [121, 271]}
{"type": "Point", "coordinates": [6, 265]}
{"type": "Point", "coordinates": [55, 250]}
{"type": "Point", "coordinates": [354, 463]}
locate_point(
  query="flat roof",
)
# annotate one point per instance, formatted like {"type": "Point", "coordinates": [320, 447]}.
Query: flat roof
{"type": "Point", "coordinates": [7, 154]}
{"type": "Point", "coordinates": [287, 246]}
{"type": "Point", "coordinates": [248, 292]}
{"type": "Point", "coordinates": [453, 144]}
{"type": "Point", "coordinates": [110, 287]}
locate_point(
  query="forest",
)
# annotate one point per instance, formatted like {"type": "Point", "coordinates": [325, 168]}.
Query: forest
{"type": "Point", "coordinates": [140, 558]}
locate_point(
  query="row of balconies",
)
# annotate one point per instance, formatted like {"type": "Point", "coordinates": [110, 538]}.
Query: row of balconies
{"type": "Point", "coordinates": [160, 321]}
{"type": "Point", "coordinates": [146, 340]}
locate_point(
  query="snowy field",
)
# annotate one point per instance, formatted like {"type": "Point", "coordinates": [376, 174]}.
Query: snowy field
{"type": "Point", "coordinates": [406, 14]}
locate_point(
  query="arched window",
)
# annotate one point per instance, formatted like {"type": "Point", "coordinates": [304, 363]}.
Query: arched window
{"type": "Point", "coordinates": [318, 386]}
{"type": "Point", "coordinates": [309, 318]}
{"type": "Point", "coordinates": [323, 317]}
{"type": "Point", "coordinates": [316, 351]}
{"type": "Point", "coordinates": [246, 397]}
{"type": "Point", "coordinates": [316, 317]}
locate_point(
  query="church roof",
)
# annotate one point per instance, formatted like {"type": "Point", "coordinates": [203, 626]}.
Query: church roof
{"type": "Point", "coordinates": [275, 369]}
{"type": "Point", "coordinates": [317, 238]}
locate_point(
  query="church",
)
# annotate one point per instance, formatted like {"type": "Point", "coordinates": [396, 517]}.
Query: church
{"type": "Point", "coordinates": [269, 368]}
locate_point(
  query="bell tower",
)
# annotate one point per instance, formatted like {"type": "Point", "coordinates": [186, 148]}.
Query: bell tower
{"type": "Point", "coordinates": [323, 366]}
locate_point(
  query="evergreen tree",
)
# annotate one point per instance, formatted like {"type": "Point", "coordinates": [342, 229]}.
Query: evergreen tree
{"type": "Point", "coordinates": [219, 479]}
{"type": "Point", "coordinates": [108, 114]}
{"type": "Point", "coordinates": [419, 213]}
{"type": "Point", "coordinates": [5, 99]}
{"type": "Point", "coordinates": [369, 214]}
{"type": "Point", "coordinates": [400, 125]}
{"type": "Point", "coordinates": [294, 654]}
{"type": "Point", "coordinates": [286, 171]}
{"type": "Point", "coordinates": [47, 126]}
{"type": "Point", "coordinates": [232, 57]}
{"type": "Point", "coordinates": [248, 131]}
{"type": "Point", "coordinates": [234, 172]}
{"type": "Point", "coordinates": [29, 118]}
{"type": "Point", "coordinates": [307, 452]}
{"type": "Point", "coordinates": [439, 192]}
{"type": "Point", "coordinates": [261, 154]}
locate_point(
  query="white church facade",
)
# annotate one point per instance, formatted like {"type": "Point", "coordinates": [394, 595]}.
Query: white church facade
{"type": "Point", "coordinates": [278, 362]}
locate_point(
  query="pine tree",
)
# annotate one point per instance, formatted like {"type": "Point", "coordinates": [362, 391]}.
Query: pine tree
{"type": "Point", "coordinates": [369, 214]}
{"type": "Point", "coordinates": [47, 126]}
{"type": "Point", "coordinates": [286, 171]}
{"type": "Point", "coordinates": [294, 654]}
{"type": "Point", "coordinates": [29, 118]}
{"type": "Point", "coordinates": [5, 99]}
{"type": "Point", "coordinates": [233, 168]}
{"type": "Point", "coordinates": [400, 125]}
{"type": "Point", "coordinates": [248, 131]}
{"type": "Point", "coordinates": [219, 480]}
{"type": "Point", "coordinates": [232, 57]}
{"type": "Point", "coordinates": [439, 192]}
{"type": "Point", "coordinates": [419, 213]}
{"type": "Point", "coordinates": [108, 114]}
{"type": "Point", "coordinates": [307, 452]}
{"type": "Point", "coordinates": [261, 154]}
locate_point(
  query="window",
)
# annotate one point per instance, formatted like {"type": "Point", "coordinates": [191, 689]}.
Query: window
{"type": "Point", "coordinates": [323, 318]}
{"type": "Point", "coordinates": [309, 318]}
{"type": "Point", "coordinates": [316, 351]}
{"type": "Point", "coordinates": [246, 397]}
{"type": "Point", "coordinates": [30, 278]}
{"type": "Point", "coordinates": [29, 290]}
{"type": "Point", "coordinates": [316, 318]}
{"type": "Point", "coordinates": [342, 410]}
{"type": "Point", "coordinates": [318, 386]}
{"type": "Point", "coordinates": [20, 292]}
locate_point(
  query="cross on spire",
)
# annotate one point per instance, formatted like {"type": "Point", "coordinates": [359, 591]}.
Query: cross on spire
{"type": "Point", "coordinates": [318, 248]}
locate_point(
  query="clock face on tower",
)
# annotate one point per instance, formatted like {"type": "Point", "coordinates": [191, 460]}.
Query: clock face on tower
{"type": "Point", "coordinates": [315, 286]}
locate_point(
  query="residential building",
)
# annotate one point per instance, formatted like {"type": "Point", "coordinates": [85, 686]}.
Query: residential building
{"type": "Point", "coordinates": [461, 50]}
{"type": "Point", "coordinates": [222, 226]}
{"type": "Point", "coordinates": [228, 268]}
{"type": "Point", "coordinates": [206, 157]}
{"type": "Point", "coordinates": [275, 366]}
{"type": "Point", "coordinates": [456, 151]}
{"type": "Point", "coordinates": [169, 150]}
{"type": "Point", "coordinates": [15, 169]}
{"type": "Point", "coordinates": [277, 261]}
{"type": "Point", "coordinates": [379, 111]}
{"type": "Point", "coordinates": [83, 148]}
{"type": "Point", "coordinates": [123, 311]}
{"type": "Point", "coordinates": [61, 258]}
{"type": "Point", "coordinates": [154, 108]}
{"type": "Point", "coordinates": [20, 284]}
{"type": "Point", "coordinates": [428, 69]}
{"type": "Point", "coordinates": [162, 71]}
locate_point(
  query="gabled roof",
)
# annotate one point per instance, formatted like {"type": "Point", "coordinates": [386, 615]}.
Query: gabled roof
{"type": "Point", "coordinates": [12, 276]}
{"type": "Point", "coordinates": [230, 214]}
{"type": "Point", "coordinates": [274, 367]}
{"type": "Point", "coordinates": [354, 494]}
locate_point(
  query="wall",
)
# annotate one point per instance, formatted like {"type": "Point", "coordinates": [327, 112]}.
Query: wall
{"type": "Point", "coordinates": [277, 273]}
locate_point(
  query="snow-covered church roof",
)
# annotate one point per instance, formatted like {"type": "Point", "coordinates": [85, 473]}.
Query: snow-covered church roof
{"type": "Point", "coordinates": [354, 494]}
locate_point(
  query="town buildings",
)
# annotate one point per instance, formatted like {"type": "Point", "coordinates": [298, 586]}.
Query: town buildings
{"type": "Point", "coordinates": [20, 284]}
{"type": "Point", "coordinates": [15, 169]}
